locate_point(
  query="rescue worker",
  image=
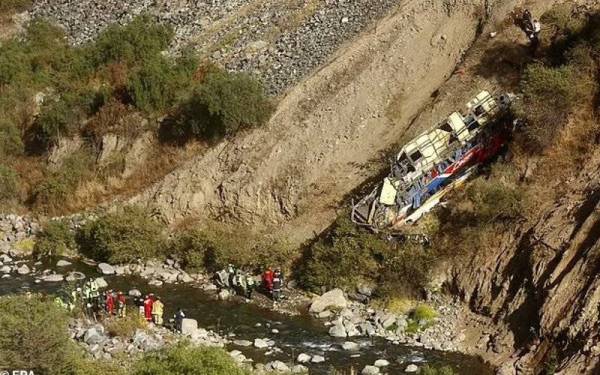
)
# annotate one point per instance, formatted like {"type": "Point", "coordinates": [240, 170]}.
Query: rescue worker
{"type": "Point", "coordinates": [250, 285]}
{"type": "Point", "coordinates": [267, 280]}
{"type": "Point", "coordinates": [240, 283]}
{"type": "Point", "coordinates": [110, 303]}
{"type": "Point", "coordinates": [179, 316]}
{"type": "Point", "coordinates": [121, 305]}
{"type": "Point", "coordinates": [148, 308]}
{"type": "Point", "coordinates": [231, 275]}
{"type": "Point", "coordinates": [534, 35]}
{"type": "Point", "coordinates": [139, 302]}
{"type": "Point", "coordinates": [157, 311]}
{"type": "Point", "coordinates": [277, 285]}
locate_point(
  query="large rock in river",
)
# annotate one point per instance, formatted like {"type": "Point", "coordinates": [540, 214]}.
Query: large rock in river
{"type": "Point", "coordinates": [106, 269]}
{"type": "Point", "coordinates": [188, 326]}
{"type": "Point", "coordinates": [332, 299]}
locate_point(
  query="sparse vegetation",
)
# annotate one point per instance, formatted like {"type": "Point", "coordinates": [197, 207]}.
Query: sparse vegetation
{"type": "Point", "coordinates": [8, 184]}
{"type": "Point", "coordinates": [434, 370]}
{"type": "Point", "coordinates": [50, 90]}
{"type": "Point", "coordinates": [122, 237]}
{"type": "Point", "coordinates": [56, 238]}
{"type": "Point", "coordinates": [185, 359]}
{"type": "Point", "coordinates": [34, 335]}
{"type": "Point", "coordinates": [10, 6]}
{"type": "Point", "coordinates": [126, 327]}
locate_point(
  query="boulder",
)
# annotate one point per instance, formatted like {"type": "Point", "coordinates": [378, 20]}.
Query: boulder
{"type": "Point", "coordinates": [332, 299]}
{"type": "Point", "coordinates": [53, 278]}
{"type": "Point", "coordinates": [381, 363]}
{"type": "Point", "coordinates": [350, 346]}
{"type": "Point", "coordinates": [299, 369]}
{"type": "Point", "coordinates": [242, 343]}
{"type": "Point", "coordinates": [100, 282]}
{"type": "Point", "coordinates": [303, 358]}
{"type": "Point", "coordinates": [188, 326]}
{"type": "Point", "coordinates": [5, 269]}
{"type": "Point", "coordinates": [74, 276]}
{"type": "Point", "coordinates": [261, 343]}
{"type": "Point", "coordinates": [324, 314]}
{"type": "Point", "coordinates": [5, 258]}
{"type": "Point", "coordinates": [135, 293]}
{"type": "Point", "coordinates": [277, 366]}
{"type": "Point", "coordinates": [93, 336]}
{"type": "Point", "coordinates": [224, 295]}
{"type": "Point", "coordinates": [23, 270]}
{"type": "Point", "coordinates": [155, 282]}
{"type": "Point", "coordinates": [183, 277]}
{"type": "Point", "coordinates": [337, 330]}
{"type": "Point", "coordinates": [411, 368]}
{"type": "Point", "coordinates": [106, 269]}
{"type": "Point", "coordinates": [63, 263]}
{"type": "Point", "coordinates": [370, 370]}
{"type": "Point", "coordinates": [317, 359]}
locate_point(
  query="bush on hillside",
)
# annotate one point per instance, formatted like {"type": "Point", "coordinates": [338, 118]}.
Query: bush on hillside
{"type": "Point", "coordinates": [56, 238]}
{"type": "Point", "coordinates": [549, 96]}
{"type": "Point", "coordinates": [221, 105]}
{"type": "Point", "coordinates": [214, 249]}
{"type": "Point", "coordinates": [127, 326]}
{"type": "Point", "coordinates": [9, 6]}
{"type": "Point", "coordinates": [140, 40]}
{"type": "Point", "coordinates": [122, 237]}
{"type": "Point", "coordinates": [55, 191]}
{"type": "Point", "coordinates": [9, 184]}
{"type": "Point", "coordinates": [158, 83]}
{"type": "Point", "coordinates": [189, 360]}
{"type": "Point", "coordinates": [10, 140]}
{"type": "Point", "coordinates": [34, 335]}
{"type": "Point", "coordinates": [344, 258]}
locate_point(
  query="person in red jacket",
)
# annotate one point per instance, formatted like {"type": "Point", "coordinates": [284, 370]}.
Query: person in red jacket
{"type": "Point", "coordinates": [267, 279]}
{"type": "Point", "coordinates": [110, 303]}
{"type": "Point", "coordinates": [148, 308]}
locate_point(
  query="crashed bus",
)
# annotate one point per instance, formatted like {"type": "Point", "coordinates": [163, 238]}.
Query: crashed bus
{"type": "Point", "coordinates": [434, 163]}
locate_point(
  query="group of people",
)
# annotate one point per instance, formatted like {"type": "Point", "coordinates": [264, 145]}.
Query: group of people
{"type": "Point", "coordinates": [531, 27]}
{"type": "Point", "coordinates": [98, 304]}
{"type": "Point", "coordinates": [244, 284]}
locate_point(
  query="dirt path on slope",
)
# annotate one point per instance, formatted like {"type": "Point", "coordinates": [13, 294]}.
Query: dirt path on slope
{"type": "Point", "coordinates": [330, 132]}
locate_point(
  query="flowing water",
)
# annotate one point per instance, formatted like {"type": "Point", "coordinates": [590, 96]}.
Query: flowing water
{"type": "Point", "coordinates": [297, 334]}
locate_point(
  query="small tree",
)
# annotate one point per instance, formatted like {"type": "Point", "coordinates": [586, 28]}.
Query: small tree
{"type": "Point", "coordinates": [34, 335]}
{"type": "Point", "coordinates": [223, 104]}
{"type": "Point", "coordinates": [8, 184]}
{"type": "Point", "coordinates": [55, 239]}
{"type": "Point", "coordinates": [123, 236]}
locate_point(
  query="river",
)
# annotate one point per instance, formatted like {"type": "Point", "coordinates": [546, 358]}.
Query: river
{"type": "Point", "coordinates": [296, 334]}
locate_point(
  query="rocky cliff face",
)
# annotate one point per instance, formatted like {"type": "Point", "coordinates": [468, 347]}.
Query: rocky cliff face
{"type": "Point", "coordinates": [543, 282]}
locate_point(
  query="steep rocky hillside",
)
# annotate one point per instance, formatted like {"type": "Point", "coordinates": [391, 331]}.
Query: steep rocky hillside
{"type": "Point", "coordinates": [331, 131]}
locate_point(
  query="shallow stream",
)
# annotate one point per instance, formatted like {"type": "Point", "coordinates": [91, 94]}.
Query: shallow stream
{"type": "Point", "coordinates": [296, 334]}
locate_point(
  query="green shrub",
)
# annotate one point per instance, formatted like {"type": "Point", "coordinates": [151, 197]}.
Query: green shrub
{"type": "Point", "coordinates": [126, 327]}
{"type": "Point", "coordinates": [56, 238]}
{"type": "Point", "coordinates": [215, 248]}
{"type": "Point", "coordinates": [549, 96]}
{"type": "Point", "coordinates": [185, 359]}
{"type": "Point", "coordinates": [157, 84]}
{"type": "Point", "coordinates": [54, 192]}
{"type": "Point", "coordinates": [9, 6]}
{"type": "Point", "coordinates": [423, 312]}
{"type": "Point", "coordinates": [122, 237]}
{"type": "Point", "coordinates": [342, 259]}
{"type": "Point", "coordinates": [10, 139]}
{"type": "Point", "coordinates": [56, 120]}
{"type": "Point", "coordinates": [142, 39]}
{"type": "Point", "coordinates": [223, 104]}
{"type": "Point", "coordinates": [34, 335]}
{"type": "Point", "coordinates": [9, 184]}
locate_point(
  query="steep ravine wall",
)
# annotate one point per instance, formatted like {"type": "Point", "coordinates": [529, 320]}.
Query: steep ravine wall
{"type": "Point", "coordinates": [329, 131]}
{"type": "Point", "coordinates": [543, 281]}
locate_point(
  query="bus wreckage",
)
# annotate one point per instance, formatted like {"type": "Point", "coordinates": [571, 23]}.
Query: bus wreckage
{"type": "Point", "coordinates": [436, 162]}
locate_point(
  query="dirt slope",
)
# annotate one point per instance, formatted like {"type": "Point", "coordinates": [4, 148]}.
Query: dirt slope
{"type": "Point", "coordinates": [329, 131]}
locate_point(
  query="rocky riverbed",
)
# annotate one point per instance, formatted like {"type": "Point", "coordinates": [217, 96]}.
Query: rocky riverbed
{"type": "Point", "coordinates": [279, 40]}
{"type": "Point", "coordinates": [305, 331]}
